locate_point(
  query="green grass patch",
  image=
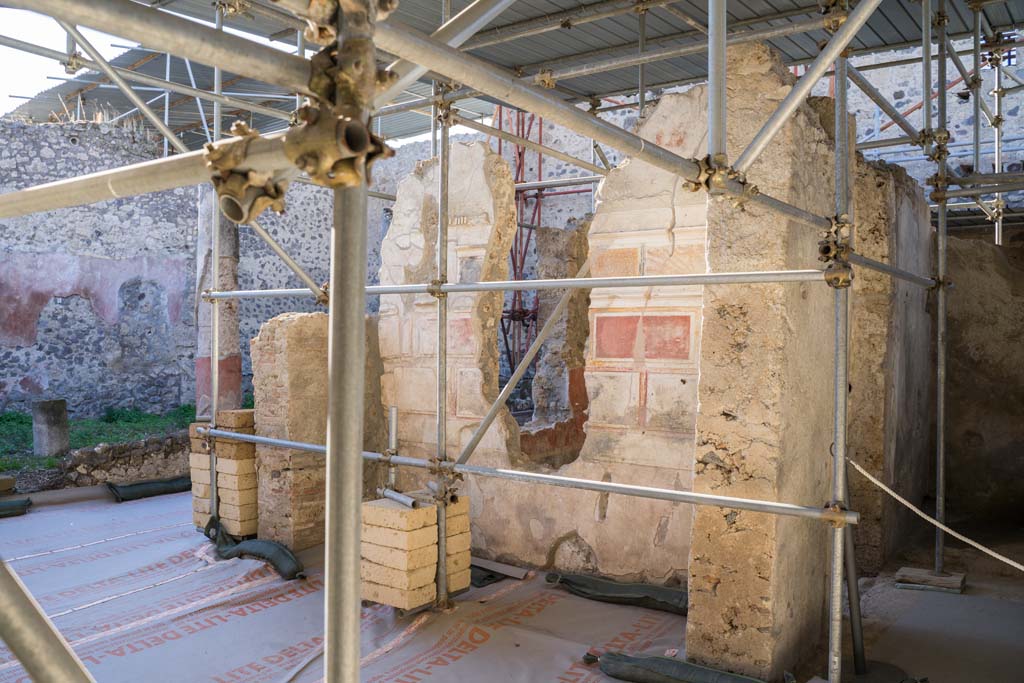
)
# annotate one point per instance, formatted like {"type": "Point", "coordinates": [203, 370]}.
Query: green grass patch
{"type": "Point", "coordinates": [118, 425]}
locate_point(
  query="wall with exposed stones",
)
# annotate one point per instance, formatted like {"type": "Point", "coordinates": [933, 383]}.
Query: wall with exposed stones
{"type": "Point", "coordinates": [158, 457]}
{"type": "Point", "coordinates": [95, 302]}
{"type": "Point", "coordinates": [985, 385]}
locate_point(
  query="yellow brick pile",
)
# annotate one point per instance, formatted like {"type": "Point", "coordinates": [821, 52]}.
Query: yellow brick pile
{"type": "Point", "coordinates": [399, 551]}
{"type": "Point", "coordinates": [236, 475]}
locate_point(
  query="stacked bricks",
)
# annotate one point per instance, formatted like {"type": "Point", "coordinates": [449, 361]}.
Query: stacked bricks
{"type": "Point", "coordinates": [236, 475]}
{"type": "Point", "coordinates": [399, 551]}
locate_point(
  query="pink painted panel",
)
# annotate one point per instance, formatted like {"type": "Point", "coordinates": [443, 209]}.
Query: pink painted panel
{"type": "Point", "coordinates": [667, 337]}
{"type": "Point", "coordinates": [616, 335]}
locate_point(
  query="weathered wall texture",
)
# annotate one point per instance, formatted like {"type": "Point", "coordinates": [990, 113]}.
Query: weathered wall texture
{"type": "Point", "coordinates": [985, 386]}
{"type": "Point", "coordinates": [891, 370]}
{"type": "Point", "coordinates": [158, 457]}
{"type": "Point", "coordinates": [95, 301]}
{"type": "Point", "coordinates": [757, 581]}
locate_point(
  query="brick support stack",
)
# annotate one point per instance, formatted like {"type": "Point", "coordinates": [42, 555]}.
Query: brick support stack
{"type": "Point", "coordinates": [457, 544]}
{"type": "Point", "coordinates": [236, 475]}
{"type": "Point", "coordinates": [399, 554]}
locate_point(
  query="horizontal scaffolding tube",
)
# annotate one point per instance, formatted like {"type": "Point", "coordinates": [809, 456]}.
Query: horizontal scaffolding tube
{"type": "Point", "coordinates": [529, 144]}
{"type": "Point", "coordinates": [264, 154]}
{"type": "Point", "coordinates": [878, 98]}
{"type": "Point", "coordinates": [672, 495]}
{"type": "Point", "coordinates": [977, 190]}
{"type": "Point", "coordinates": [757, 277]}
{"type": "Point", "coordinates": [858, 260]}
{"type": "Point", "coordinates": [166, 32]}
{"type": "Point", "coordinates": [560, 182]}
{"type": "Point", "coordinates": [155, 83]}
{"type": "Point", "coordinates": [887, 142]}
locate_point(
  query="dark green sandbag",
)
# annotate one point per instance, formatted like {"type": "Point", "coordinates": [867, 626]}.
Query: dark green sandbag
{"type": "Point", "coordinates": [277, 555]}
{"type": "Point", "coordinates": [14, 508]}
{"type": "Point", "coordinates": [661, 670]}
{"type": "Point", "coordinates": [146, 489]}
{"type": "Point", "coordinates": [637, 594]}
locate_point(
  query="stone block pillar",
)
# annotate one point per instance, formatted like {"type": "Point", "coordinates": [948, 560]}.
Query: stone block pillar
{"type": "Point", "coordinates": [289, 360]}
{"type": "Point", "coordinates": [50, 434]}
{"type": "Point", "coordinates": [757, 581]}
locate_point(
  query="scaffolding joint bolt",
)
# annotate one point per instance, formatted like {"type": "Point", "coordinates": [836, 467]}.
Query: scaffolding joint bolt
{"type": "Point", "coordinates": [834, 249]}
{"type": "Point", "coordinates": [243, 194]}
{"type": "Point", "coordinates": [435, 290]}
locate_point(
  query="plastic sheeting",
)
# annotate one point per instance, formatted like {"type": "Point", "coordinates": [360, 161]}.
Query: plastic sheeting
{"type": "Point", "coordinates": [140, 595]}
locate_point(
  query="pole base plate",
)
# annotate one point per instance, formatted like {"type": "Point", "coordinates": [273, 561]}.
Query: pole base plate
{"type": "Point", "coordinates": [878, 672]}
{"type": "Point", "coordinates": [913, 578]}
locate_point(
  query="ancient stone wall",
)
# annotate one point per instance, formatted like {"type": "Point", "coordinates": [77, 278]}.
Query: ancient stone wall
{"type": "Point", "coordinates": [891, 370]}
{"type": "Point", "coordinates": [757, 581]}
{"type": "Point", "coordinates": [158, 457]}
{"type": "Point", "coordinates": [96, 302]}
{"type": "Point", "coordinates": [985, 386]}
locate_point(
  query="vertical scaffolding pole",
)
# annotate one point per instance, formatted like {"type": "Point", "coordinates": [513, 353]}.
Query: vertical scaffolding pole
{"type": "Point", "coordinates": [841, 378]}
{"type": "Point", "coordinates": [218, 87]}
{"type": "Point", "coordinates": [716, 82]}
{"type": "Point", "coordinates": [926, 69]}
{"type": "Point", "coordinates": [346, 357]}
{"type": "Point", "coordinates": [167, 101]}
{"type": "Point", "coordinates": [997, 146]}
{"type": "Point", "coordinates": [641, 71]}
{"type": "Point", "coordinates": [300, 49]}
{"type": "Point", "coordinates": [976, 81]}
{"type": "Point", "coordinates": [940, 306]}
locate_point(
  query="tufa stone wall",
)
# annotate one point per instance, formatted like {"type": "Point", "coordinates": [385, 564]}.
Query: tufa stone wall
{"type": "Point", "coordinates": [158, 457]}
{"type": "Point", "coordinates": [985, 382]}
{"type": "Point", "coordinates": [95, 301]}
{"type": "Point", "coordinates": [757, 581]}
{"type": "Point", "coordinates": [891, 395]}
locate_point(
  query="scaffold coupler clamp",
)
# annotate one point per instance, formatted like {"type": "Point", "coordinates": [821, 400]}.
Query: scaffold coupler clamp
{"type": "Point", "coordinates": [333, 143]}
{"type": "Point", "coordinates": [243, 194]}
{"type": "Point", "coordinates": [73, 64]}
{"type": "Point", "coordinates": [834, 14]}
{"type": "Point", "coordinates": [435, 290]}
{"type": "Point", "coordinates": [838, 517]}
{"type": "Point", "coordinates": [545, 79]}
{"type": "Point", "coordinates": [834, 250]}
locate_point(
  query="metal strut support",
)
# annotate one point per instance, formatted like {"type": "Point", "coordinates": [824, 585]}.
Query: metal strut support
{"type": "Point", "coordinates": [442, 480]}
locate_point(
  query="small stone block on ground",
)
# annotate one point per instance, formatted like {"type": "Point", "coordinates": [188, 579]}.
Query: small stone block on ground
{"type": "Point", "coordinates": [459, 580]}
{"type": "Point", "coordinates": [390, 514]}
{"type": "Point", "coordinates": [246, 466]}
{"type": "Point", "coordinates": [192, 430]}
{"type": "Point", "coordinates": [201, 505]}
{"type": "Point", "coordinates": [200, 490]}
{"type": "Point", "coordinates": [238, 513]}
{"type": "Point", "coordinates": [200, 519]}
{"type": "Point", "coordinates": [397, 597]}
{"type": "Point", "coordinates": [459, 562]}
{"type": "Point", "coordinates": [197, 444]}
{"type": "Point", "coordinates": [404, 560]}
{"type": "Point", "coordinates": [914, 576]}
{"type": "Point", "coordinates": [401, 540]}
{"type": "Point", "coordinates": [200, 476]}
{"type": "Point", "coordinates": [199, 461]}
{"type": "Point", "coordinates": [457, 544]}
{"type": "Point", "coordinates": [235, 450]}
{"type": "Point", "coordinates": [231, 419]}
{"type": "Point", "coordinates": [6, 484]}
{"type": "Point", "coordinates": [396, 578]}
{"type": "Point", "coordinates": [459, 506]}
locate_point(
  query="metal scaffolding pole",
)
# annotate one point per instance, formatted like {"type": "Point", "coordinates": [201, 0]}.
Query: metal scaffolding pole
{"type": "Point", "coordinates": [32, 637]}
{"type": "Point", "coordinates": [940, 307]}
{"type": "Point", "coordinates": [275, 246]}
{"type": "Point", "coordinates": [215, 235]}
{"type": "Point", "coordinates": [529, 144]}
{"type": "Point", "coordinates": [878, 98]}
{"type": "Point", "coordinates": [689, 497]}
{"type": "Point", "coordinates": [717, 19]}
{"type": "Point", "coordinates": [125, 89]}
{"type": "Point", "coordinates": [802, 89]}
{"type": "Point", "coordinates": [641, 70]}
{"type": "Point", "coordinates": [997, 143]}
{"type": "Point", "coordinates": [443, 167]}
{"type": "Point", "coordinates": [165, 32]}
{"type": "Point", "coordinates": [149, 81]}
{"type": "Point", "coordinates": [976, 82]}
{"type": "Point", "coordinates": [926, 70]}
{"type": "Point", "coordinates": [841, 303]}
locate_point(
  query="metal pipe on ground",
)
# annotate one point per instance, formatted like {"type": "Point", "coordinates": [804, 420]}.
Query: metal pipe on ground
{"type": "Point", "coordinates": [770, 507]}
{"type": "Point", "coordinates": [32, 637]}
{"type": "Point", "coordinates": [854, 22]}
{"type": "Point", "coordinates": [165, 32]}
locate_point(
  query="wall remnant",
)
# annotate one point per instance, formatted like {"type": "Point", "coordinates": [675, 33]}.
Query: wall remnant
{"type": "Point", "coordinates": [985, 389]}
{"type": "Point", "coordinates": [158, 457]}
{"type": "Point", "coordinates": [757, 581]}
{"type": "Point", "coordinates": [95, 301]}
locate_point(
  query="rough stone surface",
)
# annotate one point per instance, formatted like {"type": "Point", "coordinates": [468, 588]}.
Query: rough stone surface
{"type": "Point", "coordinates": [95, 301]}
{"type": "Point", "coordinates": [158, 457]}
{"type": "Point", "coordinates": [891, 395]}
{"type": "Point", "coordinates": [985, 386]}
{"type": "Point", "coordinates": [756, 581]}
{"type": "Point", "coordinates": [290, 386]}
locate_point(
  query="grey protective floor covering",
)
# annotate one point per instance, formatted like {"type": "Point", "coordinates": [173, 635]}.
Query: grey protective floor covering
{"type": "Point", "coordinates": [138, 593]}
